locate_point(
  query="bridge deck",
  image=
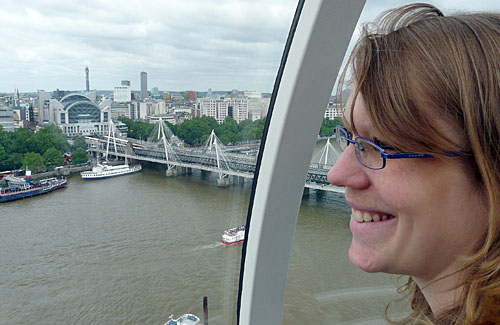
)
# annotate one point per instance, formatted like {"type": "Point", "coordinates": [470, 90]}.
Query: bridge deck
{"type": "Point", "coordinates": [238, 164]}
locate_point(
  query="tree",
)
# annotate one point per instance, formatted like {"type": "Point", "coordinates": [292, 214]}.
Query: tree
{"type": "Point", "coordinates": [258, 129]}
{"type": "Point", "coordinates": [56, 136]}
{"type": "Point", "coordinates": [5, 140]}
{"type": "Point", "coordinates": [79, 142]}
{"type": "Point", "coordinates": [328, 126]}
{"type": "Point", "coordinates": [2, 153]}
{"type": "Point", "coordinates": [12, 161]}
{"type": "Point", "coordinates": [22, 141]}
{"type": "Point", "coordinates": [53, 158]}
{"type": "Point", "coordinates": [210, 122]}
{"type": "Point", "coordinates": [194, 132]}
{"type": "Point", "coordinates": [32, 161]}
{"type": "Point", "coordinates": [79, 156]}
{"type": "Point", "coordinates": [245, 130]}
{"type": "Point", "coordinates": [172, 127]}
{"type": "Point", "coordinates": [228, 131]}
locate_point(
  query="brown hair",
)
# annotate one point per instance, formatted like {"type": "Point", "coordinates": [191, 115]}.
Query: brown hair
{"type": "Point", "coordinates": [416, 66]}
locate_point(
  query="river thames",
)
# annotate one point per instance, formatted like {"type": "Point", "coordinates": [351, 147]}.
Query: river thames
{"type": "Point", "coordinates": [137, 248]}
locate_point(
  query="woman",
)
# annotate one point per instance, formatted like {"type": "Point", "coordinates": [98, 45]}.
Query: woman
{"type": "Point", "coordinates": [427, 89]}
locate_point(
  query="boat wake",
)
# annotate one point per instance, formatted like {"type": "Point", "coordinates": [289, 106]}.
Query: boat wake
{"type": "Point", "coordinates": [209, 246]}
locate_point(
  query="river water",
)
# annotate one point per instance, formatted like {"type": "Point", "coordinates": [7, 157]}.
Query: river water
{"type": "Point", "coordinates": [137, 248]}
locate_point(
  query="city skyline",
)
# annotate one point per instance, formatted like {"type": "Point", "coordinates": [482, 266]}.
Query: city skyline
{"type": "Point", "coordinates": [193, 45]}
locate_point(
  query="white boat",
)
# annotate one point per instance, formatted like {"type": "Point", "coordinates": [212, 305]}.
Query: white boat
{"type": "Point", "coordinates": [186, 319]}
{"type": "Point", "coordinates": [233, 235]}
{"type": "Point", "coordinates": [106, 171]}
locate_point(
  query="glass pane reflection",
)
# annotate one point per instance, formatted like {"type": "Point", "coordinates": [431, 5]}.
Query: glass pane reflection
{"type": "Point", "coordinates": [137, 248]}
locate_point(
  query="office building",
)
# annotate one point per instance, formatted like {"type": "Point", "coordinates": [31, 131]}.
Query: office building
{"type": "Point", "coordinates": [119, 110]}
{"type": "Point", "coordinates": [221, 108]}
{"type": "Point", "coordinates": [144, 85]}
{"type": "Point", "coordinates": [42, 113]}
{"type": "Point", "coordinates": [238, 108]}
{"type": "Point", "coordinates": [6, 118]}
{"type": "Point", "coordinates": [122, 94]}
{"type": "Point", "coordinates": [258, 107]}
{"type": "Point", "coordinates": [333, 110]}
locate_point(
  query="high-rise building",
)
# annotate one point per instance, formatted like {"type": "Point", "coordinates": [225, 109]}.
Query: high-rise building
{"type": "Point", "coordinates": [144, 85]}
{"type": "Point", "coordinates": [333, 110]}
{"type": "Point", "coordinates": [6, 118]}
{"type": "Point", "coordinates": [125, 82]}
{"type": "Point", "coordinates": [221, 108]}
{"type": "Point", "coordinates": [43, 106]}
{"type": "Point", "coordinates": [122, 94]}
{"type": "Point", "coordinates": [239, 108]}
{"type": "Point", "coordinates": [87, 79]}
{"type": "Point", "coordinates": [257, 108]}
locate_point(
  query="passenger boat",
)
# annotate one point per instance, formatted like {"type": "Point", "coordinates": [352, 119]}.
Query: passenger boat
{"type": "Point", "coordinates": [20, 188]}
{"type": "Point", "coordinates": [233, 235]}
{"type": "Point", "coordinates": [106, 171]}
{"type": "Point", "coordinates": [186, 319]}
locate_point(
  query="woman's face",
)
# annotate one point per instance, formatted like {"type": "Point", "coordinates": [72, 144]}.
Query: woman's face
{"type": "Point", "coordinates": [433, 210]}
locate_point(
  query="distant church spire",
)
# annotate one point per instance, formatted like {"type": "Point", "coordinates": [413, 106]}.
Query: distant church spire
{"type": "Point", "coordinates": [16, 97]}
{"type": "Point", "coordinates": [87, 78]}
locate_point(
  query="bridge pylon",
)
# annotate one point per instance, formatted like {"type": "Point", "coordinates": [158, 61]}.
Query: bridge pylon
{"type": "Point", "coordinates": [112, 135]}
{"type": "Point", "coordinates": [215, 148]}
{"type": "Point", "coordinates": [327, 156]}
{"type": "Point", "coordinates": [163, 135]}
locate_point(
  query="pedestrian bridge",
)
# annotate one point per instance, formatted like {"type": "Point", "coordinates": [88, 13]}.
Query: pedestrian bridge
{"type": "Point", "coordinates": [213, 157]}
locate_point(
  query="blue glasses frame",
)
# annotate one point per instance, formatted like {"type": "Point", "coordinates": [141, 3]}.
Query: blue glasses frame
{"type": "Point", "coordinates": [384, 155]}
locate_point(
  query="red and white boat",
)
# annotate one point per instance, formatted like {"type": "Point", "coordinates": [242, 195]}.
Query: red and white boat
{"type": "Point", "coordinates": [233, 235]}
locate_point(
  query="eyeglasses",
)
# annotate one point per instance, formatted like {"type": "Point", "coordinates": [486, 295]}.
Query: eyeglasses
{"type": "Point", "coordinates": [372, 155]}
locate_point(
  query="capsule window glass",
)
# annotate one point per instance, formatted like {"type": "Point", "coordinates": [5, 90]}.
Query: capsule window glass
{"type": "Point", "coordinates": [187, 85]}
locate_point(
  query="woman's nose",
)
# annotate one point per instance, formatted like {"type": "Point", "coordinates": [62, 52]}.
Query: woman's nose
{"type": "Point", "coordinates": [348, 171]}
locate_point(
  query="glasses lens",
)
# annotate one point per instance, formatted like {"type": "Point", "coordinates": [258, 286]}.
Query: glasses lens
{"type": "Point", "coordinates": [341, 136]}
{"type": "Point", "coordinates": [368, 154]}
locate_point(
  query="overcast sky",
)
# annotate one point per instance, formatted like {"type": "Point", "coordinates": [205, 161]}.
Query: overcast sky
{"type": "Point", "coordinates": [181, 44]}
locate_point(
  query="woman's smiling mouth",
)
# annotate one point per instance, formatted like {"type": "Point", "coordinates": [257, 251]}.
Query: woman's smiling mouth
{"type": "Point", "coordinates": [360, 216]}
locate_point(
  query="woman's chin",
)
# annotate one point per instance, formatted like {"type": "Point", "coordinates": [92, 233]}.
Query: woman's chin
{"type": "Point", "coordinates": [364, 258]}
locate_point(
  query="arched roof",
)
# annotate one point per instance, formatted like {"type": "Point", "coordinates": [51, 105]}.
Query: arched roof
{"type": "Point", "coordinates": [83, 107]}
{"type": "Point", "coordinates": [74, 97]}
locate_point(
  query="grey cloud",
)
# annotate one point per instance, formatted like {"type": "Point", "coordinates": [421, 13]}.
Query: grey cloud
{"type": "Point", "coordinates": [182, 44]}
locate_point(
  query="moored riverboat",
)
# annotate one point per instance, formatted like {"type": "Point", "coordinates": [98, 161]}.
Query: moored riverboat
{"type": "Point", "coordinates": [106, 171]}
{"type": "Point", "coordinates": [233, 235]}
{"type": "Point", "coordinates": [20, 188]}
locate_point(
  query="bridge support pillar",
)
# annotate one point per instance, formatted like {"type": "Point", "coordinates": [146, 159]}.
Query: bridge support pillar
{"type": "Point", "coordinates": [237, 179]}
{"type": "Point", "coordinates": [306, 191]}
{"type": "Point", "coordinates": [172, 172]}
{"type": "Point", "coordinates": [223, 182]}
{"type": "Point", "coordinates": [189, 170]}
{"type": "Point", "coordinates": [320, 194]}
{"type": "Point", "coordinates": [183, 170]}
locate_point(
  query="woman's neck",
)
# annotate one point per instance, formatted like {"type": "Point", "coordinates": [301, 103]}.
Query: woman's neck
{"type": "Point", "coordinates": [443, 292]}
